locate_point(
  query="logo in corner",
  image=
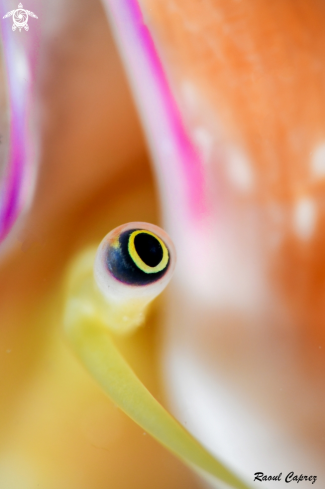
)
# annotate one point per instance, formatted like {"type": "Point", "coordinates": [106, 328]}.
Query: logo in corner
{"type": "Point", "coordinates": [20, 18]}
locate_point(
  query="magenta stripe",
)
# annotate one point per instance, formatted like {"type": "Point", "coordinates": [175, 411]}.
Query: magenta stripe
{"type": "Point", "coordinates": [188, 158]}
{"type": "Point", "coordinates": [20, 54]}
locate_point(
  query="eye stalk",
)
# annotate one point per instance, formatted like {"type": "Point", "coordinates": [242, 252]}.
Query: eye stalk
{"type": "Point", "coordinates": [134, 263]}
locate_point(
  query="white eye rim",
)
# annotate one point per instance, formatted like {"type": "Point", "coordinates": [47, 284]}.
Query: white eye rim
{"type": "Point", "coordinates": [112, 288]}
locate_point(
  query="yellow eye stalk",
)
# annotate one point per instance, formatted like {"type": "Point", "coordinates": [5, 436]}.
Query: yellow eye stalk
{"type": "Point", "coordinates": [111, 288]}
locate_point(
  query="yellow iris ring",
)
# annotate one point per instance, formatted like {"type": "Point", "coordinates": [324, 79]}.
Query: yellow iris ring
{"type": "Point", "coordinates": [140, 263]}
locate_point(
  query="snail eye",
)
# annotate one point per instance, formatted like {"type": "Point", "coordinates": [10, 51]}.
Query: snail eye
{"type": "Point", "coordinates": [147, 251]}
{"type": "Point", "coordinates": [133, 265]}
{"type": "Point", "coordinates": [137, 257]}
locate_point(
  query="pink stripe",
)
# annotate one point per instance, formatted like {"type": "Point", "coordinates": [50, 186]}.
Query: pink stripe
{"type": "Point", "coordinates": [18, 48]}
{"type": "Point", "coordinates": [188, 158]}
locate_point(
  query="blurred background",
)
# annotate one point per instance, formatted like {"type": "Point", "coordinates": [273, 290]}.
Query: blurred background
{"type": "Point", "coordinates": [236, 348]}
{"type": "Point", "coordinates": [57, 428]}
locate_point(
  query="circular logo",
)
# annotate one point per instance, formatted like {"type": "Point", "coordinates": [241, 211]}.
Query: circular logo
{"type": "Point", "coordinates": [20, 18]}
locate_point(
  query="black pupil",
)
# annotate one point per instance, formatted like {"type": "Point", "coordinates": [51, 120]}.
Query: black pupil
{"type": "Point", "coordinates": [149, 249]}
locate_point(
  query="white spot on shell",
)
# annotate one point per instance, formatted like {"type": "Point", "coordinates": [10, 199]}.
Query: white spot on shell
{"type": "Point", "coordinates": [204, 142]}
{"type": "Point", "coordinates": [190, 95]}
{"type": "Point", "coordinates": [318, 161]}
{"type": "Point", "coordinates": [304, 218]}
{"type": "Point", "coordinates": [239, 170]}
